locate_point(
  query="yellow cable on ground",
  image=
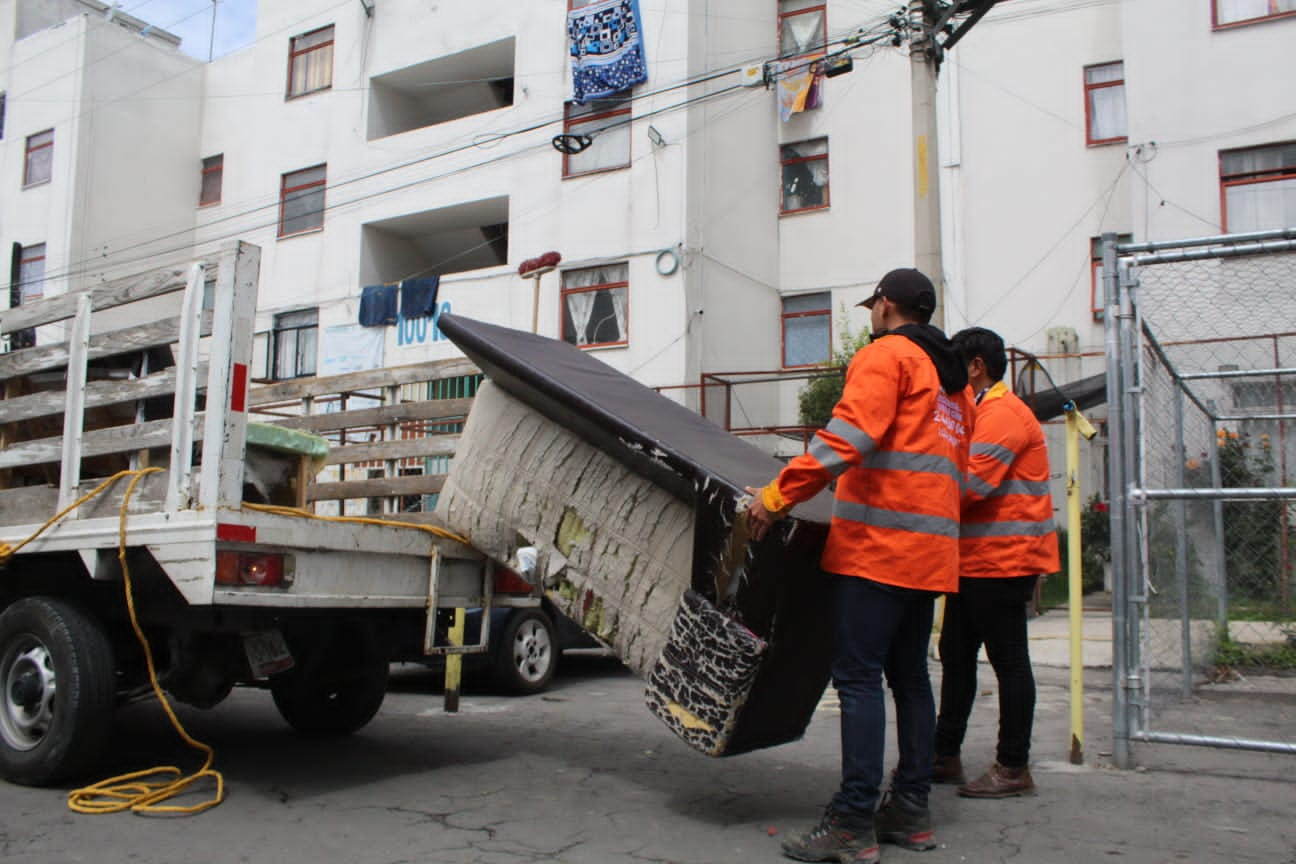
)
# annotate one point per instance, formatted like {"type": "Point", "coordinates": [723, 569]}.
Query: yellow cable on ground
{"type": "Point", "coordinates": [134, 791]}
{"type": "Point", "coordinates": [361, 520]}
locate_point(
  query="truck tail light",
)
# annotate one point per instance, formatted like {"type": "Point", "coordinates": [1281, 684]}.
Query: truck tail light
{"type": "Point", "coordinates": [509, 582]}
{"type": "Point", "coordinates": [262, 569]}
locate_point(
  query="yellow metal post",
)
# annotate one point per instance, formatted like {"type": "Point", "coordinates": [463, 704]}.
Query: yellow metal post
{"type": "Point", "coordinates": [454, 664]}
{"type": "Point", "coordinates": [1076, 425]}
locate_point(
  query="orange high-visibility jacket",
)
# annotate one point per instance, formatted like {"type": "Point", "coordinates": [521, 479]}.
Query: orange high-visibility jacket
{"type": "Point", "coordinates": [897, 445]}
{"type": "Point", "coordinates": [1008, 525]}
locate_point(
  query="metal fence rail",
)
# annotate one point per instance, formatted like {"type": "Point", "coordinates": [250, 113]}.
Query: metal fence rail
{"type": "Point", "coordinates": [1202, 402]}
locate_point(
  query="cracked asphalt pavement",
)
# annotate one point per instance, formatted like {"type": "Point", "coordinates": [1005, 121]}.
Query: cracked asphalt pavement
{"type": "Point", "coordinates": [584, 773]}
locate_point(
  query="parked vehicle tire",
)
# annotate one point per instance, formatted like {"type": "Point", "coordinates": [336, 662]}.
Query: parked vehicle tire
{"type": "Point", "coordinates": [59, 691]}
{"type": "Point", "coordinates": [527, 653]}
{"type": "Point", "coordinates": [338, 683]}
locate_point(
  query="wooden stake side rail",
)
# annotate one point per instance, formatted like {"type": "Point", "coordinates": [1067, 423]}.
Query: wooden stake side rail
{"type": "Point", "coordinates": [393, 447]}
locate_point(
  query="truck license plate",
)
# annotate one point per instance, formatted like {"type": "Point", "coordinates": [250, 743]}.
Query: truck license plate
{"type": "Point", "coordinates": [267, 653]}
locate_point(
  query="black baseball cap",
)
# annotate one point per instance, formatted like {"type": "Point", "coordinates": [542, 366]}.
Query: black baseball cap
{"type": "Point", "coordinates": [906, 286]}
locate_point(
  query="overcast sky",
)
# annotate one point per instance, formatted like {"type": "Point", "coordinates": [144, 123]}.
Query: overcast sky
{"type": "Point", "coordinates": [191, 20]}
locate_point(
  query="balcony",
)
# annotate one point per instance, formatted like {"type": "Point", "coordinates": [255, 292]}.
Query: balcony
{"type": "Point", "coordinates": [438, 91]}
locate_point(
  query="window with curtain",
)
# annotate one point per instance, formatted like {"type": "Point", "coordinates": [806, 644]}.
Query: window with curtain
{"type": "Point", "coordinates": [301, 201]}
{"type": "Point", "coordinates": [1244, 11]}
{"type": "Point", "coordinates": [294, 344]}
{"type": "Point", "coordinates": [805, 176]}
{"type": "Point", "coordinates": [595, 305]}
{"type": "Point", "coordinates": [1105, 103]}
{"type": "Point", "coordinates": [213, 173]}
{"type": "Point", "coordinates": [1258, 188]}
{"type": "Point", "coordinates": [40, 158]}
{"type": "Point", "coordinates": [310, 62]}
{"type": "Point", "coordinates": [807, 329]}
{"type": "Point", "coordinates": [1097, 305]}
{"type": "Point", "coordinates": [803, 27]}
{"type": "Point", "coordinates": [607, 122]}
{"type": "Point", "coordinates": [31, 273]}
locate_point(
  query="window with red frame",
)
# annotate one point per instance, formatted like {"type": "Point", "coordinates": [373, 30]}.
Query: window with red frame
{"type": "Point", "coordinates": [310, 62]}
{"type": "Point", "coordinates": [213, 174]}
{"type": "Point", "coordinates": [1229, 12]}
{"type": "Point", "coordinates": [301, 201]}
{"type": "Point", "coordinates": [1097, 300]}
{"type": "Point", "coordinates": [807, 329]}
{"type": "Point", "coordinates": [1105, 103]}
{"type": "Point", "coordinates": [607, 123]}
{"type": "Point", "coordinates": [596, 306]}
{"type": "Point", "coordinates": [805, 176]}
{"type": "Point", "coordinates": [1258, 188]}
{"type": "Point", "coordinates": [803, 28]}
{"type": "Point", "coordinates": [40, 158]}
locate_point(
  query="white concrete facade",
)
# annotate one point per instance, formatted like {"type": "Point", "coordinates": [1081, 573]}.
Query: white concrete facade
{"type": "Point", "coordinates": [1022, 192]}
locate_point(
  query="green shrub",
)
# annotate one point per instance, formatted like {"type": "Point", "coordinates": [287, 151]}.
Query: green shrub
{"type": "Point", "coordinates": [816, 399]}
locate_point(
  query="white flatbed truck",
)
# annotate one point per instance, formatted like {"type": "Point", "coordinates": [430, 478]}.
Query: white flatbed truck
{"type": "Point", "coordinates": [226, 593]}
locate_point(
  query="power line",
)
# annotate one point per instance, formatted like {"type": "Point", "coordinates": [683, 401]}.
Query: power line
{"type": "Point", "coordinates": [851, 37]}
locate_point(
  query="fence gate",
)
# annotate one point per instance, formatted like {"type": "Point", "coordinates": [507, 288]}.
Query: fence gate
{"type": "Point", "coordinates": [1201, 372]}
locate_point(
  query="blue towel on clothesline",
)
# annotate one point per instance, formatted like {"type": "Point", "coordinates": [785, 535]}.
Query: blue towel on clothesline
{"type": "Point", "coordinates": [418, 297]}
{"type": "Point", "coordinates": [606, 48]}
{"type": "Point", "coordinates": [378, 305]}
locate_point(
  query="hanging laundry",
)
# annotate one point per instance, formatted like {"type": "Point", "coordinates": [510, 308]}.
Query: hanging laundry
{"type": "Point", "coordinates": [606, 48]}
{"type": "Point", "coordinates": [794, 81]}
{"type": "Point", "coordinates": [814, 99]}
{"type": "Point", "coordinates": [378, 305]}
{"type": "Point", "coordinates": [418, 297]}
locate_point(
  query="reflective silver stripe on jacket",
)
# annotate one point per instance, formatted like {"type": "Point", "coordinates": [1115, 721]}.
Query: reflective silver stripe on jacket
{"type": "Point", "coordinates": [919, 523]}
{"type": "Point", "coordinates": [1008, 487]}
{"type": "Point", "coordinates": [826, 456]}
{"type": "Point", "coordinates": [929, 463]}
{"type": "Point", "coordinates": [995, 451]}
{"type": "Point", "coordinates": [1008, 529]}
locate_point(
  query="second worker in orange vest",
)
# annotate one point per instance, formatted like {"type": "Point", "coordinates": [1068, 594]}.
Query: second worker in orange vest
{"type": "Point", "coordinates": [1006, 542]}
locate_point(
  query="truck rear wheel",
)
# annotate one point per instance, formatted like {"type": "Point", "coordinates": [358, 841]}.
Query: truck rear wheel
{"type": "Point", "coordinates": [57, 674]}
{"type": "Point", "coordinates": [338, 685]}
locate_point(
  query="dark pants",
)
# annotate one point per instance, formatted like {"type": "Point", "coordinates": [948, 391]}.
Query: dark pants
{"type": "Point", "coordinates": [993, 612]}
{"type": "Point", "coordinates": [881, 629]}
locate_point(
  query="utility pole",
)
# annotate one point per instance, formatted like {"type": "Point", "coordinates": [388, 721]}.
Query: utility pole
{"type": "Point", "coordinates": [211, 38]}
{"type": "Point", "coordinates": [924, 54]}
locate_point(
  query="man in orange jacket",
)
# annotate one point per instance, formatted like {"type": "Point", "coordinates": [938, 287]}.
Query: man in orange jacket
{"type": "Point", "coordinates": [1007, 540]}
{"type": "Point", "coordinates": [897, 445]}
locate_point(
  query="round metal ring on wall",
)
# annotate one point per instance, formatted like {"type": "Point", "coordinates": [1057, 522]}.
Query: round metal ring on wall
{"type": "Point", "coordinates": [672, 262]}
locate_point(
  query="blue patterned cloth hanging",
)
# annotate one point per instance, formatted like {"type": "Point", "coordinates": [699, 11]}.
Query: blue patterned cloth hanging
{"type": "Point", "coordinates": [606, 48]}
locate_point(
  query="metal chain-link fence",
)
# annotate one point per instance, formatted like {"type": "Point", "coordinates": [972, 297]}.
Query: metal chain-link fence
{"type": "Point", "coordinates": [1201, 340]}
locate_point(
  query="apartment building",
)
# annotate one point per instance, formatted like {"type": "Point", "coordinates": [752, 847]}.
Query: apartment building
{"type": "Point", "coordinates": [724, 215]}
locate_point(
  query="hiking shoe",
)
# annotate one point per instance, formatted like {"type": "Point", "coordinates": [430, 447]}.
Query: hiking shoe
{"type": "Point", "coordinates": [838, 837]}
{"type": "Point", "coordinates": [904, 821]}
{"type": "Point", "coordinates": [1000, 782]}
{"type": "Point", "coordinates": [948, 769]}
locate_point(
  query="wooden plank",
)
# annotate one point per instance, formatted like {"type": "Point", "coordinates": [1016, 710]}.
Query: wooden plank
{"type": "Point", "coordinates": [124, 341]}
{"type": "Point", "coordinates": [97, 442]}
{"type": "Point", "coordinates": [411, 448]}
{"type": "Point", "coordinates": [98, 395]}
{"type": "Point", "coordinates": [117, 292]}
{"type": "Point", "coordinates": [419, 484]}
{"type": "Point", "coordinates": [370, 379]}
{"type": "Point", "coordinates": [24, 505]}
{"type": "Point", "coordinates": [434, 409]}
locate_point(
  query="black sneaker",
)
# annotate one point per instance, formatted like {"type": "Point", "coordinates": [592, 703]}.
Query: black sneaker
{"type": "Point", "coordinates": [904, 821]}
{"type": "Point", "coordinates": [838, 837]}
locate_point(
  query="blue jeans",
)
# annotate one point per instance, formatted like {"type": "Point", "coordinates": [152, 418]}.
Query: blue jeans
{"type": "Point", "coordinates": [881, 629]}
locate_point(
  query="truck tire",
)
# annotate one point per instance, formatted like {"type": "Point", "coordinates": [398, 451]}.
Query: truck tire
{"type": "Point", "coordinates": [59, 691]}
{"type": "Point", "coordinates": [337, 687]}
{"type": "Point", "coordinates": [527, 654]}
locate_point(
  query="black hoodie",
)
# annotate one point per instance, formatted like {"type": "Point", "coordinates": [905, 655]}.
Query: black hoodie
{"type": "Point", "coordinates": [950, 367]}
